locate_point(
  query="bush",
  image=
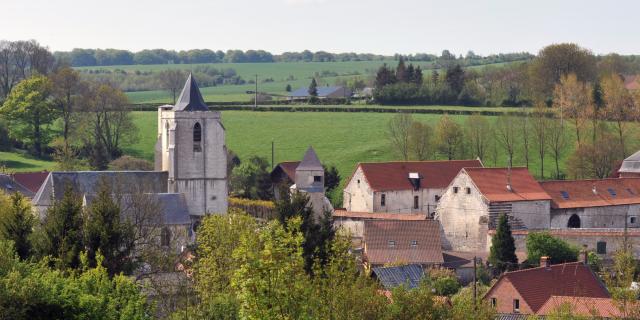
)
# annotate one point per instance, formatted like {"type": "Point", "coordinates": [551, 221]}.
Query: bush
{"type": "Point", "coordinates": [541, 244]}
{"type": "Point", "coordinates": [128, 163]}
{"type": "Point", "coordinates": [446, 286]}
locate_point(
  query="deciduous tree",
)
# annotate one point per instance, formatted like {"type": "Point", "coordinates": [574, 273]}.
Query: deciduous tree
{"type": "Point", "coordinates": [619, 108]}
{"type": "Point", "coordinates": [450, 137]}
{"type": "Point", "coordinates": [573, 100]}
{"type": "Point", "coordinates": [541, 244]}
{"type": "Point", "coordinates": [478, 133]}
{"type": "Point", "coordinates": [421, 140]}
{"type": "Point", "coordinates": [172, 80]}
{"type": "Point", "coordinates": [506, 129]}
{"type": "Point", "coordinates": [398, 132]}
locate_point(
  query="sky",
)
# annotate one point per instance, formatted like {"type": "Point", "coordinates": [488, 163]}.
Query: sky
{"type": "Point", "coordinates": [372, 26]}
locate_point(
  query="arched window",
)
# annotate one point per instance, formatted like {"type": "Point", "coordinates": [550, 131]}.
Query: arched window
{"type": "Point", "coordinates": [197, 137]}
{"type": "Point", "coordinates": [574, 221]}
{"type": "Point", "coordinates": [165, 237]}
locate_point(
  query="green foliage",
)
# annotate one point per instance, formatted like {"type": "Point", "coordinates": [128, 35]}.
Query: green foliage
{"type": "Point", "coordinates": [313, 88]}
{"type": "Point", "coordinates": [446, 286]}
{"type": "Point", "coordinates": [17, 223]}
{"type": "Point", "coordinates": [331, 178]}
{"type": "Point", "coordinates": [502, 254]}
{"type": "Point", "coordinates": [252, 180]}
{"type": "Point", "coordinates": [5, 141]}
{"type": "Point", "coordinates": [450, 138]}
{"type": "Point", "coordinates": [30, 111]}
{"type": "Point", "coordinates": [129, 163]}
{"type": "Point", "coordinates": [62, 231]}
{"type": "Point", "coordinates": [463, 305]}
{"type": "Point", "coordinates": [33, 291]}
{"type": "Point", "coordinates": [541, 244]}
{"type": "Point", "coordinates": [418, 303]}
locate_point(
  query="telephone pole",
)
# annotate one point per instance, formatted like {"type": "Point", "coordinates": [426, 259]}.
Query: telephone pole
{"type": "Point", "coordinates": [475, 287]}
{"type": "Point", "coordinates": [255, 98]}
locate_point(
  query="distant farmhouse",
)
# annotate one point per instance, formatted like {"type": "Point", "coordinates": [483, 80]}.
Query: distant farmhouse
{"type": "Point", "coordinates": [335, 92]}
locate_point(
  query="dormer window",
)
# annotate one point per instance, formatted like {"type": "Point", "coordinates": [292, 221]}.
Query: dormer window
{"type": "Point", "coordinates": [414, 243]}
{"type": "Point", "coordinates": [197, 137]}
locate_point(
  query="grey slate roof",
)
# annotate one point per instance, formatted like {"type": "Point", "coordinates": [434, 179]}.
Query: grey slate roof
{"type": "Point", "coordinates": [310, 161]}
{"type": "Point", "coordinates": [391, 277]}
{"type": "Point", "coordinates": [172, 206]}
{"type": "Point", "coordinates": [10, 186]}
{"type": "Point", "coordinates": [190, 99]}
{"type": "Point", "coordinates": [322, 92]}
{"type": "Point", "coordinates": [631, 164]}
{"type": "Point", "coordinates": [86, 182]}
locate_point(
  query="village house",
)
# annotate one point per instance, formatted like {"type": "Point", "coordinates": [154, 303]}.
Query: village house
{"type": "Point", "coordinates": [401, 186]}
{"type": "Point", "coordinates": [527, 291]}
{"type": "Point", "coordinates": [328, 92]}
{"type": "Point", "coordinates": [353, 222]}
{"type": "Point", "coordinates": [402, 242]}
{"type": "Point", "coordinates": [309, 179]}
{"type": "Point", "coordinates": [476, 198]}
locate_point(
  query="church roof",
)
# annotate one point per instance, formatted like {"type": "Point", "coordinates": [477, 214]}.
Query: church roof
{"type": "Point", "coordinates": [310, 161]}
{"type": "Point", "coordinates": [171, 206]}
{"type": "Point", "coordinates": [190, 99]}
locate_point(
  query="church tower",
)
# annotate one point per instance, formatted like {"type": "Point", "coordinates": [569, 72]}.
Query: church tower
{"type": "Point", "coordinates": [310, 180]}
{"type": "Point", "coordinates": [191, 147]}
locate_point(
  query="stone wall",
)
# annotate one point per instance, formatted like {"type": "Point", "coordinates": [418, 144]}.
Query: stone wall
{"type": "Point", "coordinates": [358, 195]}
{"type": "Point", "coordinates": [598, 217]}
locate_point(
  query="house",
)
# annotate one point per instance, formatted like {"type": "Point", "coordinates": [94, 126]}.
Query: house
{"type": "Point", "coordinates": [402, 242]}
{"type": "Point", "coordinates": [390, 277]}
{"type": "Point", "coordinates": [328, 92]}
{"type": "Point", "coordinates": [631, 82]}
{"type": "Point", "coordinates": [283, 176]}
{"type": "Point", "coordinates": [526, 291]}
{"type": "Point", "coordinates": [9, 185]}
{"type": "Point", "coordinates": [401, 186]}
{"type": "Point", "coordinates": [477, 197]}
{"type": "Point", "coordinates": [630, 166]}
{"type": "Point", "coordinates": [31, 180]}
{"type": "Point", "coordinates": [353, 222]}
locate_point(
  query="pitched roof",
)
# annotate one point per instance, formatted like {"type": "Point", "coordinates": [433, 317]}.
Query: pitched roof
{"type": "Point", "coordinates": [492, 183]}
{"type": "Point", "coordinates": [10, 186]}
{"type": "Point", "coordinates": [322, 91]}
{"type": "Point", "coordinates": [288, 167]}
{"type": "Point", "coordinates": [580, 193]}
{"type": "Point", "coordinates": [582, 306]}
{"type": "Point", "coordinates": [631, 82]}
{"type": "Point", "coordinates": [310, 161]}
{"type": "Point", "coordinates": [190, 99]}
{"type": "Point", "coordinates": [631, 163]}
{"type": "Point", "coordinates": [172, 207]}
{"type": "Point", "coordinates": [391, 277]}
{"type": "Point", "coordinates": [537, 285]}
{"type": "Point", "coordinates": [31, 180]}
{"type": "Point", "coordinates": [341, 213]}
{"type": "Point", "coordinates": [389, 241]}
{"type": "Point", "coordinates": [385, 176]}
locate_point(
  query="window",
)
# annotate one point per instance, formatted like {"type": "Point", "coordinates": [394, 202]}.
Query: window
{"type": "Point", "coordinates": [414, 243]}
{"type": "Point", "coordinates": [392, 244]}
{"type": "Point", "coordinates": [632, 219]}
{"type": "Point", "coordinates": [574, 221]}
{"type": "Point", "coordinates": [601, 247]}
{"type": "Point", "coordinates": [358, 181]}
{"type": "Point", "coordinates": [468, 190]}
{"type": "Point", "coordinates": [383, 200]}
{"type": "Point", "coordinates": [197, 137]}
{"type": "Point", "coordinates": [455, 189]}
{"type": "Point", "coordinates": [317, 178]}
{"type": "Point", "coordinates": [437, 198]}
{"type": "Point", "coordinates": [416, 202]}
{"type": "Point", "coordinates": [165, 237]}
{"type": "Point", "coordinates": [494, 302]}
{"type": "Point", "coordinates": [516, 305]}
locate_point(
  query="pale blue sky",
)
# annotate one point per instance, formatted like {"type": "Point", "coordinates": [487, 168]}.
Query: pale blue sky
{"type": "Point", "coordinates": [377, 26]}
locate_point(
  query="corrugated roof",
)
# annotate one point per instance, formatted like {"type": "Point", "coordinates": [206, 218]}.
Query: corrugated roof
{"type": "Point", "coordinates": [492, 183]}
{"type": "Point", "coordinates": [582, 306]}
{"type": "Point", "coordinates": [322, 91]}
{"type": "Point", "coordinates": [580, 193]}
{"type": "Point", "coordinates": [31, 180]}
{"type": "Point", "coordinates": [310, 161]}
{"type": "Point", "coordinates": [386, 176]}
{"type": "Point", "coordinates": [537, 285]}
{"type": "Point", "coordinates": [392, 241]}
{"type": "Point", "coordinates": [341, 213]}
{"type": "Point", "coordinates": [10, 186]}
{"type": "Point", "coordinates": [391, 277]}
{"type": "Point", "coordinates": [190, 98]}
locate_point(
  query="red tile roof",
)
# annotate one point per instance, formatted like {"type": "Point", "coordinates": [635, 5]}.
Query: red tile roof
{"type": "Point", "coordinates": [537, 285]}
{"type": "Point", "coordinates": [582, 306]}
{"type": "Point", "coordinates": [341, 213]}
{"type": "Point", "coordinates": [632, 82]}
{"type": "Point", "coordinates": [492, 183]}
{"type": "Point", "coordinates": [31, 180]}
{"type": "Point", "coordinates": [580, 193]}
{"type": "Point", "coordinates": [379, 233]}
{"type": "Point", "coordinates": [385, 176]}
{"type": "Point", "coordinates": [288, 167]}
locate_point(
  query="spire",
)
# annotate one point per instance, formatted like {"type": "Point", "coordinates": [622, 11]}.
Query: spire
{"type": "Point", "coordinates": [310, 161]}
{"type": "Point", "coordinates": [190, 99]}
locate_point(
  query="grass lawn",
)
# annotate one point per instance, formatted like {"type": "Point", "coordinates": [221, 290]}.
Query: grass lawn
{"type": "Point", "coordinates": [18, 161]}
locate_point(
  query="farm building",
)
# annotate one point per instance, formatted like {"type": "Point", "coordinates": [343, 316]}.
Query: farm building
{"type": "Point", "coordinates": [401, 186]}
{"type": "Point", "coordinates": [630, 166]}
{"type": "Point", "coordinates": [475, 199]}
{"type": "Point", "coordinates": [330, 92]}
{"type": "Point", "coordinates": [9, 185]}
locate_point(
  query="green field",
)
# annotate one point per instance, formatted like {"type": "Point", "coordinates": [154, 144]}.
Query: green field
{"type": "Point", "coordinates": [18, 161]}
{"type": "Point", "coordinates": [297, 74]}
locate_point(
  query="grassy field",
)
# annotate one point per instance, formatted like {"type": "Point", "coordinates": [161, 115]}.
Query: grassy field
{"type": "Point", "coordinates": [297, 74]}
{"type": "Point", "coordinates": [17, 162]}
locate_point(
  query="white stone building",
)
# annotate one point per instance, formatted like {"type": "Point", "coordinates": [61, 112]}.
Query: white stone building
{"type": "Point", "coordinates": [401, 186]}
{"type": "Point", "coordinates": [475, 199]}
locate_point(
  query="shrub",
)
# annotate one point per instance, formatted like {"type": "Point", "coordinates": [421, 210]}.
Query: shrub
{"type": "Point", "coordinates": [128, 163]}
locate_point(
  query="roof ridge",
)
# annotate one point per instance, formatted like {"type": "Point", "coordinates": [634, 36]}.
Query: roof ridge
{"type": "Point", "coordinates": [564, 264]}
{"type": "Point", "coordinates": [417, 161]}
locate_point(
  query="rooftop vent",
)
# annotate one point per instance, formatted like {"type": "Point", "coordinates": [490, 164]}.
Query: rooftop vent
{"type": "Point", "coordinates": [565, 195]}
{"type": "Point", "coordinates": [415, 178]}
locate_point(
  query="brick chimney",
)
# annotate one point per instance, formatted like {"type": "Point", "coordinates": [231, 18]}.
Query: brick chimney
{"type": "Point", "coordinates": [545, 262]}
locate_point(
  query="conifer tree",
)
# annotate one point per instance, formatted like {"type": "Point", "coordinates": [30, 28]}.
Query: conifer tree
{"type": "Point", "coordinates": [417, 76]}
{"type": "Point", "coordinates": [384, 77]}
{"type": "Point", "coordinates": [313, 88]}
{"type": "Point", "coordinates": [18, 225]}
{"type": "Point", "coordinates": [503, 247]}
{"type": "Point", "coordinates": [63, 230]}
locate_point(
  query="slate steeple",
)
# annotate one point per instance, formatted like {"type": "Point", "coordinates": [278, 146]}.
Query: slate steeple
{"type": "Point", "coordinates": [310, 161]}
{"type": "Point", "coordinates": [190, 99]}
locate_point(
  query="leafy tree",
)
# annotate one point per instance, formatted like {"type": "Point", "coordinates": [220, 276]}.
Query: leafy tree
{"type": "Point", "coordinates": [418, 303]}
{"type": "Point", "coordinates": [129, 163]}
{"type": "Point", "coordinates": [557, 142]}
{"type": "Point", "coordinates": [455, 79]}
{"type": "Point", "coordinates": [421, 140]}
{"type": "Point", "coordinates": [30, 109]}
{"type": "Point", "coordinates": [252, 179]}
{"type": "Point", "coordinates": [63, 232]}
{"type": "Point", "coordinates": [313, 88]}
{"type": "Point", "coordinates": [541, 244]}
{"type": "Point", "coordinates": [464, 305]}
{"type": "Point", "coordinates": [619, 280]}
{"type": "Point", "coordinates": [502, 254]}
{"type": "Point", "coordinates": [67, 89]}
{"type": "Point", "coordinates": [398, 131]}
{"type": "Point", "coordinates": [450, 137]}
{"type": "Point", "coordinates": [331, 178]}
{"type": "Point", "coordinates": [446, 286]}
{"type": "Point", "coordinates": [478, 132]}
{"type": "Point", "coordinates": [539, 126]}
{"type": "Point", "coordinates": [17, 225]}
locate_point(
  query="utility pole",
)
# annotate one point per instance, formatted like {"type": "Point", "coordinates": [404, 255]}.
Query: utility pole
{"type": "Point", "coordinates": [475, 287]}
{"type": "Point", "coordinates": [255, 98]}
{"type": "Point", "coordinates": [272, 155]}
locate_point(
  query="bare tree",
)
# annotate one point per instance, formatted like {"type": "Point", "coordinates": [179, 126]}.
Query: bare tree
{"type": "Point", "coordinates": [172, 80]}
{"type": "Point", "coordinates": [478, 132]}
{"type": "Point", "coordinates": [539, 125]}
{"type": "Point", "coordinates": [620, 108]}
{"type": "Point", "coordinates": [450, 137]}
{"type": "Point", "coordinates": [507, 134]}
{"type": "Point", "coordinates": [398, 133]}
{"type": "Point", "coordinates": [525, 135]}
{"type": "Point", "coordinates": [20, 60]}
{"type": "Point", "coordinates": [573, 99]}
{"type": "Point", "coordinates": [421, 140]}
{"type": "Point", "coordinates": [557, 142]}
{"type": "Point", "coordinates": [67, 88]}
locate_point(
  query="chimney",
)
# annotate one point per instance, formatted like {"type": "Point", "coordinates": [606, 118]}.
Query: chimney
{"type": "Point", "coordinates": [584, 253]}
{"type": "Point", "coordinates": [594, 190]}
{"type": "Point", "coordinates": [545, 262]}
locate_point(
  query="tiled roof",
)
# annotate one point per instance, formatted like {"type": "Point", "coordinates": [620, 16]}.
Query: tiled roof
{"type": "Point", "coordinates": [341, 213]}
{"type": "Point", "coordinates": [492, 183]}
{"type": "Point", "coordinates": [537, 285]}
{"type": "Point", "coordinates": [387, 176]}
{"type": "Point", "coordinates": [322, 91]}
{"type": "Point", "coordinates": [580, 193]}
{"type": "Point", "coordinates": [288, 167]}
{"type": "Point", "coordinates": [31, 180]}
{"type": "Point", "coordinates": [391, 277]}
{"type": "Point", "coordinates": [310, 161]}
{"type": "Point", "coordinates": [392, 241]}
{"type": "Point", "coordinates": [190, 99]}
{"type": "Point", "coordinates": [10, 186]}
{"type": "Point", "coordinates": [632, 82]}
{"type": "Point", "coordinates": [582, 306]}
